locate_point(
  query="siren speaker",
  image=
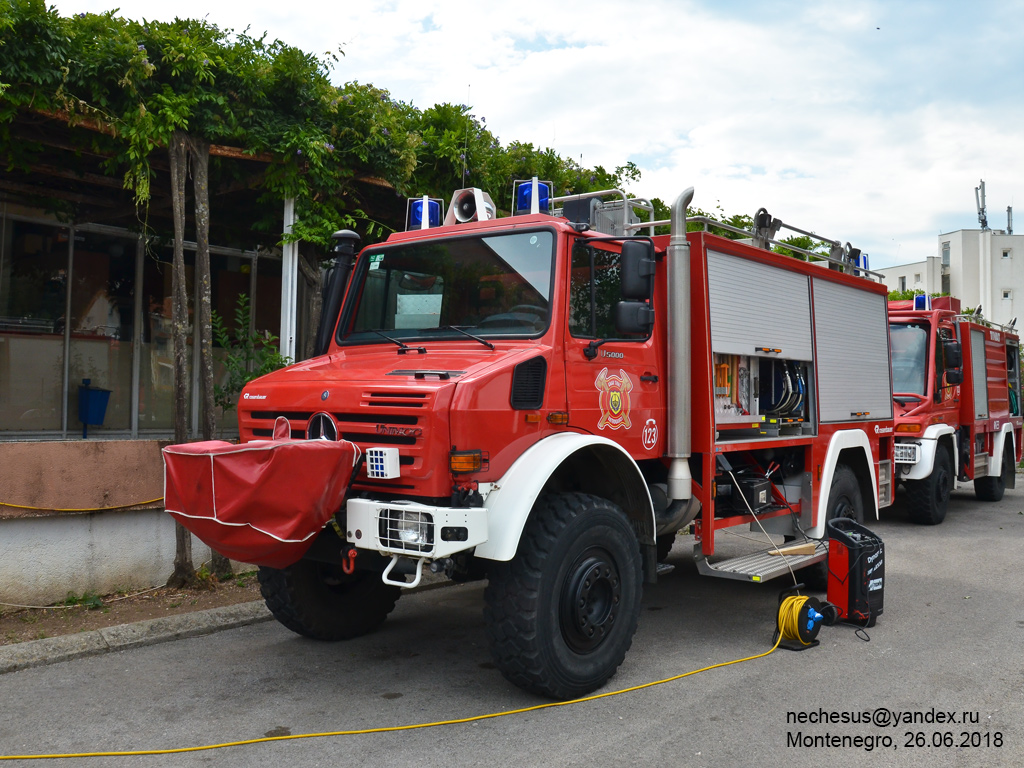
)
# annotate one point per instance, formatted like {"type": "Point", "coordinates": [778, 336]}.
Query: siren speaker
{"type": "Point", "coordinates": [465, 207]}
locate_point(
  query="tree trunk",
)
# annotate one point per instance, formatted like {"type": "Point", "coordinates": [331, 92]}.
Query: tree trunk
{"type": "Point", "coordinates": [309, 266]}
{"type": "Point", "coordinates": [184, 570]}
{"type": "Point", "coordinates": [220, 566]}
{"type": "Point", "coordinates": [200, 161]}
{"type": "Point", "coordinates": [199, 148]}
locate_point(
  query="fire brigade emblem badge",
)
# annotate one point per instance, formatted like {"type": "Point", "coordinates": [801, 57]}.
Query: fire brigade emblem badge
{"type": "Point", "coordinates": [613, 399]}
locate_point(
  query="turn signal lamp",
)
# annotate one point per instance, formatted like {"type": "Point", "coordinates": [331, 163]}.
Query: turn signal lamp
{"type": "Point", "coordinates": [414, 208]}
{"type": "Point", "coordinates": [560, 418]}
{"type": "Point", "coordinates": [908, 427]}
{"type": "Point", "coordinates": [533, 196]}
{"type": "Point", "coordinates": [464, 462]}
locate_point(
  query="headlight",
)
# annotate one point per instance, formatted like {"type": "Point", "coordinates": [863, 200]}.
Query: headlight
{"type": "Point", "coordinates": [411, 529]}
{"type": "Point", "coordinates": [407, 530]}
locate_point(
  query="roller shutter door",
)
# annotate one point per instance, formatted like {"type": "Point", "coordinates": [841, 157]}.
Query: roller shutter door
{"type": "Point", "coordinates": [979, 374]}
{"type": "Point", "coordinates": [853, 353]}
{"type": "Point", "coordinates": [757, 305]}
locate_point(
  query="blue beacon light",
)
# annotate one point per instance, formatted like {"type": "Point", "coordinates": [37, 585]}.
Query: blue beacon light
{"type": "Point", "coordinates": [524, 197]}
{"type": "Point", "coordinates": [416, 218]}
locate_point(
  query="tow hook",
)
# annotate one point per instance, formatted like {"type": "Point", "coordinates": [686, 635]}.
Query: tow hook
{"type": "Point", "coordinates": [348, 564]}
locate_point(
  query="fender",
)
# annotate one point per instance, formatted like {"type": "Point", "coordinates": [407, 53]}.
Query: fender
{"type": "Point", "coordinates": [512, 498]}
{"type": "Point", "coordinates": [995, 461]}
{"type": "Point", "coordinates": [928, 447]}
{"type": "Point", "coordinates": [848, 438]}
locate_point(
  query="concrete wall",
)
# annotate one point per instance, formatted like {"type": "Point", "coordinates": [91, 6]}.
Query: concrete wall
{"type": "Point", "coordinates": [42, 559]}
{"type": "Point", "coordinates": [71, 541]}
{"type": "Point", "coordinates": [892, 276]}
{"type": "Point", "coordinates": [985, 265]}
{"type": "Point", "coordinates": [79, 475]}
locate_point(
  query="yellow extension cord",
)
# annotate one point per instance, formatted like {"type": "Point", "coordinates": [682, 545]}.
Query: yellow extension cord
{"type": "Point", "coordinates": [96, 509]}
{"type": "Point", "coordinates": [789, 613]}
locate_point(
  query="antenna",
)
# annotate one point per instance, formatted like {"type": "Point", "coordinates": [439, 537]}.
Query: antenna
{"type": "Point", "coordinates": [1009, 219]}
{"type": "Point", "coordinates": [979, 199]}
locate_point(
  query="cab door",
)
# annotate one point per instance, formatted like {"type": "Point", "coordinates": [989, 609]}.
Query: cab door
{"type": "Point", "coordinates": [613, 377]}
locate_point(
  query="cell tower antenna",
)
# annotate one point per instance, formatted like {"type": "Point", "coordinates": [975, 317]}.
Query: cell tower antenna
{"type": "Point", "coordinates": [979, 198]}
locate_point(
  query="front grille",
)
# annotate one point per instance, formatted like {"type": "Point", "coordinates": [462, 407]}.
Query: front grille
{"type": "Point", "coordinates": [369, 418]}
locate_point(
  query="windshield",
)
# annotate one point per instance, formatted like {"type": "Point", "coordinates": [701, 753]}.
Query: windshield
{"type": "Point", "coordinates": [493, 285]}
{"type": "Point", "coordinates": [909, 357]}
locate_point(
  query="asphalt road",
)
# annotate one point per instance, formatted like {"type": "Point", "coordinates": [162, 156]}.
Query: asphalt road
{"type": "Point", "coordinates": [949, 641]}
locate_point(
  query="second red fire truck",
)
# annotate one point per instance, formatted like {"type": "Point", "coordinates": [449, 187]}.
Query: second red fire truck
{"type": "Point", "coordinates": [956, 387]}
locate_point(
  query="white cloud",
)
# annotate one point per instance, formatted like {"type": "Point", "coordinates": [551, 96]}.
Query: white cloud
{"type": "Point", "coordinates": [861, 120]}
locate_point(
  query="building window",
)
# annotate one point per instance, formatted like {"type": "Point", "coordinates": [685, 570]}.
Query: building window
{"type": "Point", "coordinates": [1007, 253]}
{"type": "Point", "coordinates": [98, 308]}
{"type": "Point", "coordinates": [945, 254]}
{"type": "Point", "coordinates": [1007, 294]}
{"type": "Point", "coordinates": [102, 314]}
{"type": "Point", "coordinates": [917, 278]}
{"type": "Point", "coordinates": [33, 302]}
{"type": "Point", "coordinates": [903, 283]}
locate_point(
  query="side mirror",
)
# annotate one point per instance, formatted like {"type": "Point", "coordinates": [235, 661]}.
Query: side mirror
{"type": "Point", "coordinates": [633, 317]}
{"type": "Point", "coordinates": [953, 353]}
{"type": "Point", "coordinates": [637, 262]}
{"type": "Point", "coordinates": [955, 376]}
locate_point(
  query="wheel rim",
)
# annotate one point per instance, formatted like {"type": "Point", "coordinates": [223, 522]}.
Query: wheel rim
{"type": "Point", "coordinates": [590, 599]}
{"type": "Point", "coordinates": [845, 508]}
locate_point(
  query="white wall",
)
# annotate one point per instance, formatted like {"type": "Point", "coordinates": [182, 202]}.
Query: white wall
{"type": "Point", "coordinates": [42, 559]}
{"type": "Point", "coordinates": [916, 275]}
{"type": "Point", "coordinates": [972, 279]}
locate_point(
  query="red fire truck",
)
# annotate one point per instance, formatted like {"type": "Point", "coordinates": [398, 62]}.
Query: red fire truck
{"type": "Point", "coordinates": [545, 399]}
{"type": "Point", "coordinates": [956, 387]}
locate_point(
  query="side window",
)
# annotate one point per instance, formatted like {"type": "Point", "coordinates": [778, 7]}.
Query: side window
{"type": "Point", "coordinates": [594, 291]}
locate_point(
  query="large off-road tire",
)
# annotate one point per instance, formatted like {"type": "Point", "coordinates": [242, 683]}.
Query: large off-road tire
{"type": "Point", "coordinates": [561, 614]}
{"type": "Point", "coordinates": [992, 488]}
{"type": "Point", "coordinates": [320, 601]}
{"type": "Point", "coordinates": [844, 500]}
{"type": "Point", "coordinates": [928, 499]}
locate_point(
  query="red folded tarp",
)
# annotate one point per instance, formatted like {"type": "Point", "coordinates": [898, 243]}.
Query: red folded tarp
{"type": "Point", "coordinates": [261, 502]}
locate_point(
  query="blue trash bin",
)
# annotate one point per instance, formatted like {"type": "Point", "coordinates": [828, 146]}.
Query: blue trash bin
{"type": "Point", "coordinates": [92, 405]}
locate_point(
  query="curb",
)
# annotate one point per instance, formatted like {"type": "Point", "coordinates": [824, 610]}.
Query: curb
{"type": "Point", "coordinates": [50, 650]}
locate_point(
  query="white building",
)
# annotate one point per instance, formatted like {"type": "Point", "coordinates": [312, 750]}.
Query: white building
{"type": "Point", "coordinates": [979, 266]}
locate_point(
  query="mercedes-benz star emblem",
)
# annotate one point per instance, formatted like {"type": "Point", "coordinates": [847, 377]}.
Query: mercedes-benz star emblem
{"type": "Point", "coordinates": [322, 427]}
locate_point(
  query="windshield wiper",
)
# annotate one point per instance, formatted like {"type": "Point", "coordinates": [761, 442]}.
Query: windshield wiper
{"type": "Point", "coordinates": [402, 346]}
{"type": "Point", "coordinates": [485, 342]}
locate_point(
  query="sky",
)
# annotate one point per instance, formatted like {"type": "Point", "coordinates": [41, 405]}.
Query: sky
{"type": "Point", "coordinates": [866, 121]}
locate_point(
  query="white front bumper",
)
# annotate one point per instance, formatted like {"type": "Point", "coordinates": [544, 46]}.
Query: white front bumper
{"type": "Point", "coordinates": [414, 530]}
